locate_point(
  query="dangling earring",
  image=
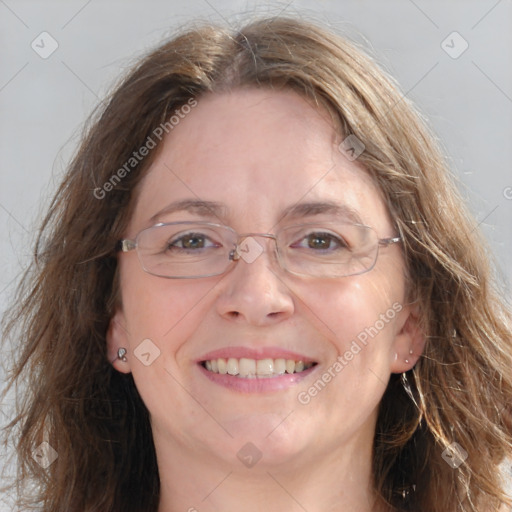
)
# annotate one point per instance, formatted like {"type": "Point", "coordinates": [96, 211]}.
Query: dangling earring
{"type": "Point", "coordinates": [407, 491]}
{"type": "Point", "coordinates": [407, 388]}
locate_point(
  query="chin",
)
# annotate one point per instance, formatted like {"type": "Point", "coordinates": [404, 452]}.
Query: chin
{"type": "Point", "coordinates": [277, 438]}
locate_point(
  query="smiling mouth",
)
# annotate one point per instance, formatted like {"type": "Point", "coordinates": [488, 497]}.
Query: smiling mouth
{"type": "Point", "coordinates": [245, 368]}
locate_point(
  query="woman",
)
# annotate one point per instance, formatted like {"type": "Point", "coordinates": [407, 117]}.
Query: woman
{"type": "Point", "coordinates": [259, 288]}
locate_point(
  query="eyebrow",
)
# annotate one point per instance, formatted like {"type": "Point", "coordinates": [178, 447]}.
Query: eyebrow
{"type": "Point", "coordinates": [319, 208]}
{"type": "Point", "coordinates": [199, 207]}
{"type": "Point", "coordinates": [300, 210]}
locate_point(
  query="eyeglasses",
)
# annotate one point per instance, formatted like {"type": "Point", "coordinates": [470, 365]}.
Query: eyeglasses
{"type": "Point", "coordinates": [189, 250]}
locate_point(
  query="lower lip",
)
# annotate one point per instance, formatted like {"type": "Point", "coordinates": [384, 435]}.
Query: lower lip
{"type": "Point", "coordinates": [257, 385]}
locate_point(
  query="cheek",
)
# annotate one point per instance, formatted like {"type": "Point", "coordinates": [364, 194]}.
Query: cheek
{"type": "Point", "coordinates": [360, 320]}
{"type": "Point", "coordinates": [346, 310]}
{"type": "Point", "coordinates": [162, 310]}
{"type": "Point", "coordinates": [166, 312]}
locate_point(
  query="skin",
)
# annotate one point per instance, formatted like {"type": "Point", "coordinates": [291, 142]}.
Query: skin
{"type": "Point", "coordinates": [258, 152]}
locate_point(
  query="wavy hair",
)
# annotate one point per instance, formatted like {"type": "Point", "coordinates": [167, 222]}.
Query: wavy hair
{"type": "Point", "coordinates": [458, 392]}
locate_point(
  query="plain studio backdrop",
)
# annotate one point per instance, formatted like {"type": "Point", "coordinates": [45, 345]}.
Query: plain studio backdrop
{"type": "Point", "coordinates": [59, 58]}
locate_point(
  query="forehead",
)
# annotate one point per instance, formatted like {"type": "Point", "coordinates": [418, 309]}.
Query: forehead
{"type": "Point", "coordinates": [256, 151]}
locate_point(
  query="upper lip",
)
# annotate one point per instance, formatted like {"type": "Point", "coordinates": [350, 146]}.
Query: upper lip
{"type": "Point", "coordinates": [255, 353]}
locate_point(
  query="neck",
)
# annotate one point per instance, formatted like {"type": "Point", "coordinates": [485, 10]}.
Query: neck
{"type": "Point", "coordinates": [325, 482]}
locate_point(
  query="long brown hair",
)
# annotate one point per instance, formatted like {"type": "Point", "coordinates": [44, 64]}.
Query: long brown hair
{"type": "Point", "coordinates": [93, 416]}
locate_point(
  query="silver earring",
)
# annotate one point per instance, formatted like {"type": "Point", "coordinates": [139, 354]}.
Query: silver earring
{"type": "Point", "coordinates": [407, 361]}
{"type": "Point", "coordinates": [121, 354]}
{"type": "Point", "coordinates": [408, 491]}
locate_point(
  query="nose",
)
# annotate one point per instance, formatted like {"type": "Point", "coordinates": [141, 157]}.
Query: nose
{"type": "Point", "coordinates": [254, 291]}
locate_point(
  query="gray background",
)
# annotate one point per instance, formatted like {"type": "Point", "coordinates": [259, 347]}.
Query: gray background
{"type": "Point", "coordinates": [43, 102]}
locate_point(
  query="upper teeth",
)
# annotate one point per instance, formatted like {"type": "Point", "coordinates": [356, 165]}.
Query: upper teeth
{"type": "Point", "coordinates": [252, 368]}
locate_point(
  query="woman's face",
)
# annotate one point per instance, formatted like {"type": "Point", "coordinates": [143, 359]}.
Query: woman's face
{"type": "Point", "coordinates": [258, 154]}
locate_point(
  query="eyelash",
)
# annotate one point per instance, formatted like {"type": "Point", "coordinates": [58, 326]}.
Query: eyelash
{"type": "Point", "coordinates": [339, 242]}
{"type": "Point", "coordinates": [172, 244]}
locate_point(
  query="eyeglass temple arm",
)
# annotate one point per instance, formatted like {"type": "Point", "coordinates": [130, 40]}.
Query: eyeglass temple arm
{"type": "Point", "coordinates": [125, 245]}
{"type": "Point", "coordinates": [389, 241]}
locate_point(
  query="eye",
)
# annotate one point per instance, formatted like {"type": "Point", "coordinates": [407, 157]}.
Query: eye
{"type": "Point", "coordinates": [321, 241]}
{"type": "Point", "coordinates": [191, 242]}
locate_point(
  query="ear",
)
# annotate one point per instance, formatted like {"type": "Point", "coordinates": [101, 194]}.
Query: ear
{"type": "Point", "coordinates": [117, 337]}
{"type": "Point", "coordinates": [409, 340]}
